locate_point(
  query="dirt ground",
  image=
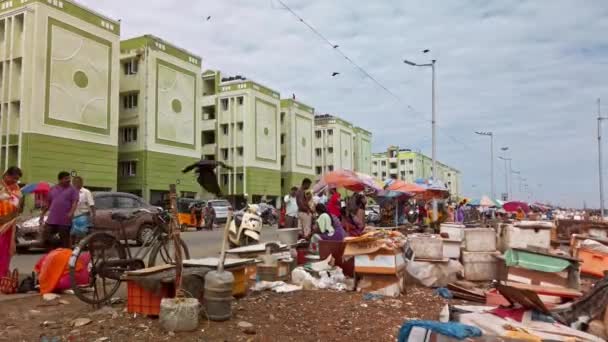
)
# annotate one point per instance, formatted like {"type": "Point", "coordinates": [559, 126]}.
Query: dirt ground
{"type": "Point", "coordinates": [299, 316]}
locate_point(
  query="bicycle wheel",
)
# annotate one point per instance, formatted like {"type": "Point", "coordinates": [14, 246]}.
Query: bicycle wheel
{"type": "Point", "coordinates": [164, 252]}
{"type": "Point", "coordinates": [105, 259]}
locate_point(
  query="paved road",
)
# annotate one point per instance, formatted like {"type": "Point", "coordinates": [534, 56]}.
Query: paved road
{"type": "Point", "coordinates": [200, 243]}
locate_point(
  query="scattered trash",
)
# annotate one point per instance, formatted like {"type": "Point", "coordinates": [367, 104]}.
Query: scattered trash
{"type": "Point", "coordinates": [432, 274]}
{"type": "Point", "coordinates": [332, 279]}
{"type": "Point", "coordinates": [47, 324]}
{"type": "Point", "coordinates": [450, 329]}
{"type": "Point", "coordinates": [372, 296]}
{"type": "Point", "coordinates": [247, 328]}
{"type": "Point", "coordinates": [275, 286]}
{"type": "Point", "coordinates": [179, 314]}
{"type": "Point", "coordinates": [50, 296]}
{"type": "Point", "coordinates": [102, 339]}
{"type": "Point", "coordinates": [363, 305]}
{"type": "Point", "coordinates": [105, 311]}
{"type": "Point", "coordinates": [79, 322]}
{"type": "Point", "coordinates": [64, 302]}
{"type": "Point", "coordinates": [444, 293]}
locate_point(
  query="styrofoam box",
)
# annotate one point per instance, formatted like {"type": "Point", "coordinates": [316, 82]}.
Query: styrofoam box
{"type": "Point", "coordinates": [451, 248]}
{"type": "Point", "coordinates": [520, 237]}
{"type": "Point", "coordinates": [480, 240]}
{"type": "Point", "coordinates": [426, 246]}
{"type": "Point", "coordinates": [380, 263]}
{"type": "Point", "coordinates": [453, 231]}
{"type": "Point", "coordinates": [480, 265]}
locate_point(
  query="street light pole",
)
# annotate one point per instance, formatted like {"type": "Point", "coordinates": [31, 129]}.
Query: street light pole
{"type": "Point", "coordinates": [491, 135]}
{"type": "Point", "coordinates": [433, 128]}
{"type": "Point", "coordinates": [518, 173]}
{"type": "Point", "coordinates": [506, 176]}
{"type": "Point", "coordinates": [599, 156]}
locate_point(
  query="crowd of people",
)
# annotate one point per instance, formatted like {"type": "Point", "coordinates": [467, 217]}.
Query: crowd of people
{"type": "Point", "coordinates": [325, 215]}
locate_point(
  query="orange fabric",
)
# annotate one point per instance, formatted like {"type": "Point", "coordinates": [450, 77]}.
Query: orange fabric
{"type": "Point", "coordinates": [52, 267]}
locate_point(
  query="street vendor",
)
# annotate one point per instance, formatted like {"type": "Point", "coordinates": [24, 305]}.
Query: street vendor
{"type": "Point", "coordinates": [304, 210]}
{"type": "Point", "coordinates": [328, 227]}
{"type": "Point", "coordinates": [333, 205]}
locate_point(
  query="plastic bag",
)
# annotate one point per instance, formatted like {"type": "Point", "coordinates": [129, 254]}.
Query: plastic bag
{"type": "Point", "coordinates": [179, 314]}
{"type": "Point", "coordinates": [434, 274]}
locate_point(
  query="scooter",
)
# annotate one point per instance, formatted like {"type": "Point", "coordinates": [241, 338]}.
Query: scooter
{"type": "Point", "coordinates": [245, 228]}
{"type": "Point", "coordinates": [268, 214]}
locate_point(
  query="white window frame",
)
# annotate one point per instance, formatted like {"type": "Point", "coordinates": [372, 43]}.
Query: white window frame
{"type": "Point", "coordinates": [128, 168]}
{"type": "Point", "coordinates": [131, 67]}
{"type": "Point", "coordinates": [130, 101]}
{"type": "Point", "coordinates": [128, 134]}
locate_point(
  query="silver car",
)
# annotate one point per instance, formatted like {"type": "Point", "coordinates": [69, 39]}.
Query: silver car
{"type": "Point", "coordinates": [221, 209]}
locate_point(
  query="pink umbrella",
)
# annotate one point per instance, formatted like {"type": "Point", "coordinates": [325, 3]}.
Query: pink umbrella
{"type": "Point", "coordinates": [514, 205]}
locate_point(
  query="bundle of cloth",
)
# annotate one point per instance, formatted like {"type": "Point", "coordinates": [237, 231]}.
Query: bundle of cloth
{"type": "Point", "coordinates": [54, 272]}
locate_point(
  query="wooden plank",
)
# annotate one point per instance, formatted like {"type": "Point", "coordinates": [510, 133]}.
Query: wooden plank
{"type": "Point", "coordinates": [149, 270]}
{"type": "Point", "coordinates": [547, 290]}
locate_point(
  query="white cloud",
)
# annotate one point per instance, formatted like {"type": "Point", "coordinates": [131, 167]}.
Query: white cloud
{"type": "Point", "coordinates": [528, 71]}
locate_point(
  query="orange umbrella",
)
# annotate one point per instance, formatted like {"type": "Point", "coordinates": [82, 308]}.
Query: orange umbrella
{"type": "Point", "coordinates": [344, 178]}
{"type": "Point", "coordinates": [401, 186]}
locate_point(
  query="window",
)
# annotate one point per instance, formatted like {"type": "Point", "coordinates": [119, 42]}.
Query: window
{"type": "Point", "coordinates": [282, 182]}
{"type": "Point", "coordinates": [383, 174]}
{"type": "Point", "coordinates": [129, 101]}
{"type": "Point", "coordinates": [127, 168]}
{"type": "Point", "coordinates": [282, 117]}
{"type": "Point", "coordinates": [225, 179]}
{"type": "Point", "coordinates": [330, 132]}
{"type": "Point", "coordinates": [225, 129]}
{"type": "Point", "coordinates": [239, 126]}
{"type": "Point", "coordinates": [225, 153]}
{"type": "Point", "coordinates": [319, 170]}
{"type": "Point", "coordinates": [383, 163]}
{"type": "Point", "coordinates": [449, 175]}
{"type": "Point", "coordinates": [375, 163]}
{"type": "Point", "coordinates": [282, 139]}
{"type": "Point", "coordinates": [375, 174]}
{"type": "Point", "coordinates": [131, 67]}
{"type": "Point", "coordinates": [402, 162]}
{"type": "Point", "coordinates": [124, 202]}
{"type": "Point", "coordinates": [393, 165]}
{"type": "Point", "coordinates": [318, 152]}
{"type": "Point", "coordinates": [128, 134]}
{"type": "Point", "coordinates": [282, 160]}
{"type": "Point", "coordinates": [411, 172]}
{"type": "Point", "coordinates": [224, 103]}
{"type": "Point", "coordinates": [330, 167]}
{"type": "Point", "coordinates": [239, 177]}
{"type": "Point", "coordinates": [240, 100]}
{"type": "Point", "coordinates": [330, 150]}
{"type": "Point", "coordinates": [318, 134]}
{"type": "Point", "coordinates": [104, 202]}
{"type": "Point", "coordinates": [208, 137]}
{"type": "Point", "coordinates": [411, 161]}
{"type": "Point", "coordinates": [402, 174]}
{"type": "Point", "coordinates": [239, 151]}
{"type": "Point", "coordinates": [188, 194]}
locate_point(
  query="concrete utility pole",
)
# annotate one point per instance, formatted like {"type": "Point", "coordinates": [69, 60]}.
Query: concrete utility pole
{"type": "Point", "coordinates": [492, 187]}
{"type": "Point", "coordinates": [599, 156]}
{"type": "Point", "coordinates": [433, 126]}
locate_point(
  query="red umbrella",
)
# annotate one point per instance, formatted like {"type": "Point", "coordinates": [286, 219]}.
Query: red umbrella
{"type": "Point", "coordinates": [342, 179]}
{"type": "Point", "coordinates": [401, 186]}
{"type": "Point", "coordinates": [514, 205]}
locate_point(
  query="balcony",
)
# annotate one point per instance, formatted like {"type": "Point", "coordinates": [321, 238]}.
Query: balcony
{"type": "Point", "coordinates": [208, 125]}
{"type": "Point", "coordinates": [392, 160]}
{"type": "Point", "coordinates": [209, 149]}
{"type": "Point", "coordinates": [393, 171]}
{"type": "Point", "coordinates": [208, 100]}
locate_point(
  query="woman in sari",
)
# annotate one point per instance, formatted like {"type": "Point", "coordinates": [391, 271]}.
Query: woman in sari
{"type": "Point", "coordinates": [10, 208]}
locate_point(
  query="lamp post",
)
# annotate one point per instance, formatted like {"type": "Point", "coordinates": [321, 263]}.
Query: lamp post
{"type": "Point", "coordinates": [506, 176]}
{"type": "Point", "coordinates": [518, 174]}
{"type": "Point", "coordinates": [491, 135]}
{"type": "Point", "coordinates": [599, 156]}
{"type": "Point", "coordinates": [433, 124]}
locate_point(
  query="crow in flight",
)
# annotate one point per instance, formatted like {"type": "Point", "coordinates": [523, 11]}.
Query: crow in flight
{"type": "Point", "coordinates": [206, 175]}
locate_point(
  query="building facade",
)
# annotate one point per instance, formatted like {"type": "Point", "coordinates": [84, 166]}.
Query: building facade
{"type": "Point", "coordinates": [363, 150]}
{"type": "Point", "coordinates": [297, 151]}
{"type": "Point", "coordinates": [241, 127]}
{"type": "Point", "coordinates": [159, 130]}
{"type": "Point", "coordinates": [59, 82]}
{"type": "Point", "coordinates": [409, 166]}
{"type": "Point", "coordinates": [340, 145]}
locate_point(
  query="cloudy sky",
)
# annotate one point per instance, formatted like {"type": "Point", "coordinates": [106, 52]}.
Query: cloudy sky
{"type": "Point", "coordinates": [529, 71]}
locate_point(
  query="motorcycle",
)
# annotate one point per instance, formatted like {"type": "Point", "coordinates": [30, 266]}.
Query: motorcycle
{"type": "Point", "coordinates": [268, 213]}
{"type": "Point", "coordinates": [373, 216]}
{"type": "Point", "coordinates": [245, 227]}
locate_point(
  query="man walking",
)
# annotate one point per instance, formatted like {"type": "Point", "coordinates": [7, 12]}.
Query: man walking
{"type": "Point", "coordinates": [304, 210]}
{"type": "Point", "coordinates": [291, 209]}
{"type": "Point", "coordinates": [61, 205]}
{"type": "Point", "coordinates": [209, 216]}
{"type": "Point", "coordinates": [84, 217]}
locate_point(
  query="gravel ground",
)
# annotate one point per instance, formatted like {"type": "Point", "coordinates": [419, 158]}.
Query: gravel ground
{"type": "Point", "coordinates": [299, 316]}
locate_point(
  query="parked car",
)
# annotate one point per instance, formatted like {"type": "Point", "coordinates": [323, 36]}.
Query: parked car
{"type": "Point", "coordinates": [221, 209]}
{"type": "Point", "coordinates": [28, 233]}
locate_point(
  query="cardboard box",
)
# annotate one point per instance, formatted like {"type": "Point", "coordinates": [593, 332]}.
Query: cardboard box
{"type": "Point", "coordinates": [381, 262]}
{"type": "Point", "coordinates": [389, 285]}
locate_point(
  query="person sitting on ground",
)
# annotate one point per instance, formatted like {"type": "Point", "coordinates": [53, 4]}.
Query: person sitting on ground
{"type": "Point", "coordinates": [351, 227]}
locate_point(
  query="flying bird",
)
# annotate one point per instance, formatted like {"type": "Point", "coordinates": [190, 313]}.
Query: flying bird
{"type": "Point", "coordinates": [208, 18]}
{"type": "Point", "coordinates": [336, 46]}
{"type": "Point", "coordinates": [206, 175]}
{"type": "Point", "coordinates": [335, 74]}
{"type": "Point", "coordinates": [425, 50]}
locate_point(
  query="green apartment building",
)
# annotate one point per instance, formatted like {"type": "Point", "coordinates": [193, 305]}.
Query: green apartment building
{"type": "Point", "coordinates": [408, 165]}
{"type": "Point", "coordinates": [159, 130]}
{"type": "Point", "coordinates": [297, 152]}
{"type": "Point", "coordinates": [241, 127]}
{"type": "Point", "coordinates": [59, 77]}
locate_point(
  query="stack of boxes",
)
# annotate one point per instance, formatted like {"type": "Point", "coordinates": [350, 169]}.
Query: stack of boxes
{"type": "Point", "coordinates": [479, 255]}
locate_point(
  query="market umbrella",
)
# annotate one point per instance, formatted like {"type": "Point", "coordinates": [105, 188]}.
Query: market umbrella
{"type": "Point", "coordinates": [370, 182]}
{"type": "Point", "coordinates": [342, 179]}
{"type": "Point", "coordinates": [37, 188]}
{"type": "Point", "coordinates": [514, 205]}
{"type": "Point", "coordinates": [485, 201]}
{"type": "Point", "coordinates": [399, 185]}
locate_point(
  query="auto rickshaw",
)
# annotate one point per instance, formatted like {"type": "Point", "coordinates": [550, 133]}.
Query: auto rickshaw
{"type": "Point", "coordinates": [190, 213]}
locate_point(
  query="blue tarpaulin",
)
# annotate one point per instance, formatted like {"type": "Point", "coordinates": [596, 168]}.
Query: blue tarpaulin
{"type": "Point", "coordinates": [450, 329]}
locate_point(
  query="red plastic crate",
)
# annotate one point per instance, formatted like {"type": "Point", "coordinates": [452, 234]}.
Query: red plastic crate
{"type": "Point", "coordinates": [142, 301]}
